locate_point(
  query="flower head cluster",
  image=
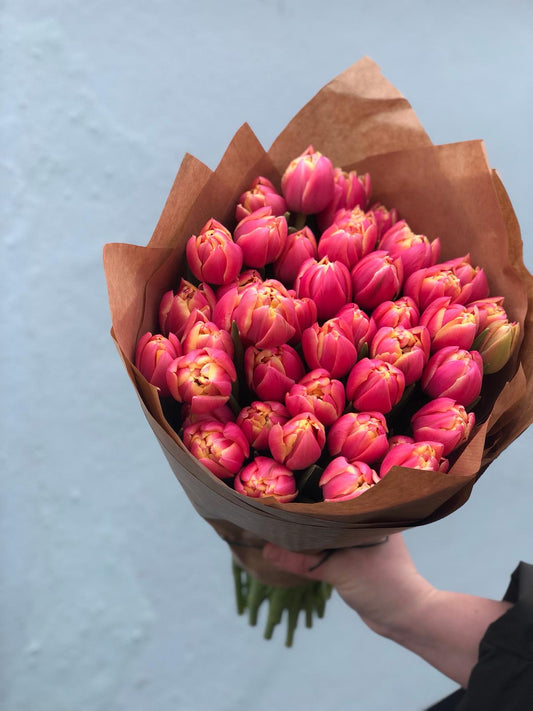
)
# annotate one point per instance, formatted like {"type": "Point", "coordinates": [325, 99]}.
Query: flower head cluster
{"type": "Point", "coordinates": [306, 330]}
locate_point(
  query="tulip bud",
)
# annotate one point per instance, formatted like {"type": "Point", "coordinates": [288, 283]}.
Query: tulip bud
{"type": "Point", "coordinates": [419, 455]}
{"type": "Point", "coordinates": [449, 324]}
{"type": "Point", "coordinates": [222, 414]}
{"type": "Point", "coordinates": [266, 477]}
{"type": "Point", "coordinates": [406, 348]}
{"type": "Point", "coordinates": [202, 379]}
{"type": "Point", "coordinates": [256, 421]}
{"type": "Point", "coordinates": [299, 442]}
{"type": "Point", "coordinates": [453, 372]}
{"type": "Point", "coordinates": [153, 355]}
{"type": "Point", "coordinates": [213, 256]}
{"type": "Point", "coordinates": [351, 190]}
{"type": "Point", "coordinates": [349, 242]}
{"type": "Point", "coordinates": [221, 447]}
{"type": "Point", "coordinates": [299, 246]}
{"type": "Point", "coordinates": [308, 183]}
{"type": "Point", "coordinates": [443, 420]}
{"type": "Point", "coordinates": [376, 278]}
{"type": "Point", "coordinates": [327, 283]}
{"type": "Point", "coordinates": [473, 280]}
{"type": "Point", "coordinates": [343, 480]}
{"type": "Point", "coordinates": [262, 193]}
{"type": "Point", "coordinates": [261, 236]}
{"type": "Point", "coordinates": [402, 312]}
{"type": "Point", "coordinates": [265, 315]}
{"type": "Point", "coordinates": [395, 440]}
{"type": "Point", "coordinates": [426, 285]}
{"type": "Point", "coordinates": [207, 335]}
{"type": "Point", "coordinates": [228, 297]}
{"type": "Point", "coordinates": [176, 309]}
{"type": "Point", "coordinates": [496, 345]}
{"type": "Point", "coordinates": [246, 277]}
{"type": "Point", "coordinates": [415, 251]}
{"type": "Point", "coordinates": [317, 392]}
{"type": "Point", "coordinates": [360, 436]}
{"type": "Point", "coordinates": [383, 217]}
{"type": "Point", "coordinates": [272, 372]}
{"type": "Point", "coordinates": [375, 385]}
{"type": "Point", "coordinates": [488, 311]}
{"type": "Point", "coordinates": [362, 328]}
{"type": "Point", "coordinates": [306, 315]}
{"type": "Point", "coordinates": [330, 346]}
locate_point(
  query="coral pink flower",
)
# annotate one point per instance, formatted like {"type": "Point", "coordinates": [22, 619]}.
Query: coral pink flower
{"type": "Point", "coordinates": [384, 217]}
{"type": "Point", "coordinates": [308, 183]}
{"type": "Point", "coordinates": [272, 372]}
{"type": "Point", "coordinates": [350, 241]}
{"type": "Point", "coordinates": [374, 385]}
{"type": "Point", "coordinates": [361, 326]}
{"type": "Point", "coordinates": [426, 285]}
{"type": "Point", "coordinates": [299, 442]}
{"type": "Point", "coordinates": [330, 346]}
{"type": "Point", "coordinates": [262, 193]}
{"type": "Point", "coordinates": [176, 309]}
{"type": "Point", "coordinates": [359, 436]}
{"type": "Point", "coordinates": [406, 348]}
{"type": "Point", "coordinates": [453, 372]}
{"type": "Point", "coordinates": [261, 236]}
{"type": "Point", "coordinates": [222, 414]}
{"type": "Point", "coordinates": [419, 455]}
{"type": "Point", "coordinates": [351, 190]}
{"type": "Point", "coordinates": [306, 315]}
{"type": "Point", "coordinates": [206, 334]}
{"type": "Point", "coordinates": [343, 480]}
{"type": "Point", "coordinates": [327, 283]}
{"type": "Point", "coordinates": [265, 315]}
{"type": "Point", "coordinates": [376, 278]}
{"type": "Point", "coordinates": [203, 379]}
{"type": "Point", "coordinates": [256, 421]}
{"type": "Point", "coordinates": [443, 420]}
{"type": "Point", "coordinates": [473, 280]}
{"type": "Point", "coordinates": [221, 447]}
{"type": "Point", "coordinates": [449, 324]}
{"type": "Point", "coordinates": [399, 439]}
{"type": "Point", "coordinates": [266, 477]}
{"type": "Point", "coordinates": [319, 393]}
{"type": "Point", "coordinates": [488, 310]}
{"type": "Point", "coordinates": [153, 355]}
{"type": "Point", "coordinates": [299, 246]}
{"type": "Point", "coordinates": [402, 312]}
{"type": "Point", "coordinates": [415, 251]}
{"type": "Point", "coordinates": [213, 256]}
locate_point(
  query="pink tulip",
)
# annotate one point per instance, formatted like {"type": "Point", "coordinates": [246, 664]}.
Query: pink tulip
{"type": "Point", "coordinates": [496, 345]}
{"type": "Point", "coordinates": [246, 277]}
{"type": "Point", "coordinates": [261, 236]}
{"type": "Point", "coordinates": [262, 193]}
{"type": "Point", "coordinates": [360, 436]}
{"type": "Point", "coordinates": [384, 217]}
{"type": "Point", "coordinates": [473, 280]}
{"type": "Point", "coordinates": [317, 392]}
{"type": "Point", "coordinates": [228, 297]}
{"type": "Point", "coordinates": [213, 256]}
{"type": "Point", "coordinates": [362, 328]}
{"type": "Point", "coordinates": [415, 251]}
{"type": "Point", "coordinates": [299, 442]}
{"type": "Point", "coordinates": [299, 246]}
{"type": "Point", "coordinates": [443, 420]}
{"type": "Point", "coordinates": [343, 480]}
{"type": "Point", "coordinates": [306, 315]}
{"type": "Point", "coordinates": [265, 315]}
{"type": "Point", "coordinates": [203, 379]}
{"type": "Point", "coordinates": [308, 183]}
{"type": "Point", "coordinates": [175, 309]}
{"type": "Point", "coordinates": [349, 242]}
{"type": "Point", "coordinates": [402, 312]}
{"type": "Point", "coordinates": [207, 335]}
{"type": "Point", "coordinates": [256, 421]}
{"type": "Point", "coordinates": [266, 477]}
{"type": "Point", "coordinates": [327, 283]}
{"type": "Point", "coordinates": [221, 447]}
{"type": "Point", "coordinates": [453, 372]}
{"type": "Point", "coordinates": [426, 285]}
{"type": "Point", "coordinates": [351, 190]}
{"type": "Point", "coordinates": [376, 278]}
{"type": "Point", "coordinates": [222, 414]}
{"type": "Point", "coordinates": [488, 311]}
{"type": "Point", "coordinates": [330, 346]}
{"type": "Point", "coordinates": [272, 372]}
{"type": "Point", "coordinates": [153, 355]}
{"type": "Point", "coordinates": [419, 455]}
{"type": "Point", "coordinates": [406, 348]}
{"type": "Point", "coordinates": [395, 440]}
{"type": "Point", "coordinates": [374, 385]}
{"type": "Point", "coordinates": [449, 324]}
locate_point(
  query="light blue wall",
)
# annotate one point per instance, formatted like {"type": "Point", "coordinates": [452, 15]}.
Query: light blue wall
{"type": "Point", "coordinates": [114, 594]}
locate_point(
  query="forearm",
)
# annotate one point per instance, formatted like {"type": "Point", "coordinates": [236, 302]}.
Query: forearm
{"type": "Point", "coordinates": [446, 629]}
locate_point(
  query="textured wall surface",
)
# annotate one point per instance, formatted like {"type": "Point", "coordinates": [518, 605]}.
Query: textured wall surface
{"type": "Point", "coordinates": [114, 594]}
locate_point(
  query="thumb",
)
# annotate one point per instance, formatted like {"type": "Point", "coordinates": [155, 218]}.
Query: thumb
{"type": "Point", "coordinates": [315, 566]}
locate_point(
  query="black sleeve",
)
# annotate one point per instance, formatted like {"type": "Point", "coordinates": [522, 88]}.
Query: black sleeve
{"type": "Point", "coordinates": [502, 679]}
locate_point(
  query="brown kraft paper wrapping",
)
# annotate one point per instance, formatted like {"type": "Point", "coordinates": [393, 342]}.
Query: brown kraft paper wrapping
{"type": "Point", "coordinates": [360, 121]}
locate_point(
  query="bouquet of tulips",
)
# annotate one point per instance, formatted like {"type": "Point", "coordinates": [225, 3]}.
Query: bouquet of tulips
{"type": "Point", "coordinates": [317, 371]}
